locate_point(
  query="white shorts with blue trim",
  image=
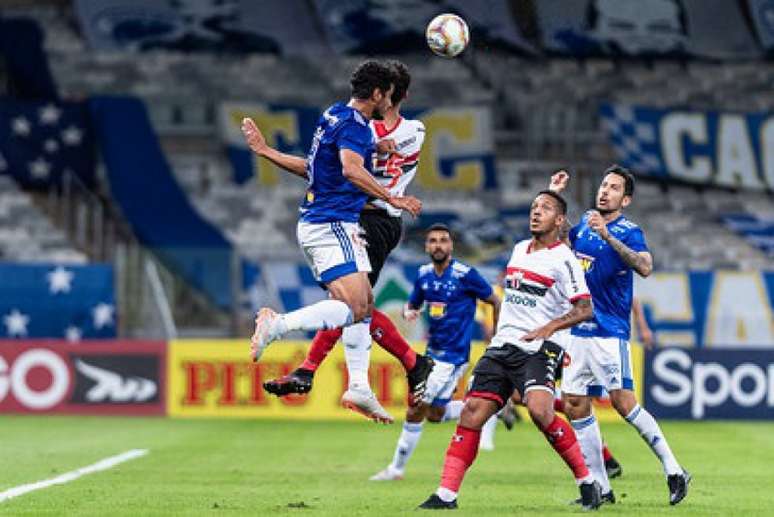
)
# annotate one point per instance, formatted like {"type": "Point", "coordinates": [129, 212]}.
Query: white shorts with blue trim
{"type": "Point", "coordinates": [333, 250]}
{"type": "Point", "coordinates": [597, 365]}
{"type": "Point", "coordinates": [442, 382]}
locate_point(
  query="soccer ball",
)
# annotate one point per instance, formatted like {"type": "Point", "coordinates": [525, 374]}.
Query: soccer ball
{"type": "Point", "coordinates": [447, 35]}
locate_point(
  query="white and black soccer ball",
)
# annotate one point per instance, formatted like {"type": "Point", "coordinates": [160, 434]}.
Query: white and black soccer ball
{"type": "Point", "coordinates": [447, 35]}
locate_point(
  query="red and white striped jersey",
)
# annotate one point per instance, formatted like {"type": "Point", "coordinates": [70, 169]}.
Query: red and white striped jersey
{"type": "Point", "coordinates": [540, 286]}
{"type": "Point", "coordinates": [394, 172]}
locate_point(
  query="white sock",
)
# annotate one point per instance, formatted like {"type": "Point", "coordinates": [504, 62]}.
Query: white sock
{"type": "Point", "coordinates": [487, 433]}
{"type": "Point", "coordinates": [409, 438]}
{"type": "Point", "coordinates": [445, 494]}
{"type": "Point", "coordinates": [651, 433]}
{"type": "Point", "coordinates": [590, 440]}
{"type": "Point", "coordinates": [327, 314]}
{"type": "Point", "coordinates": [357, 352]}
{"type": "Point", "coordinates": [452, 410]}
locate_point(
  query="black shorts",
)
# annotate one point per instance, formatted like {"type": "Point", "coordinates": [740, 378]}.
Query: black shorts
{"type": "Point", "coordinates": [382, 234]}
{"type": "Point", "coordinates": [504, 369]}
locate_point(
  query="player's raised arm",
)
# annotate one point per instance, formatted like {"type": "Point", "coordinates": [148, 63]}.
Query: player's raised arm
{"type": "Point", "coordinates": [293, 164]}
{"type": "Point", "coordinates": [640, 261]}
{"type": "Point", "coordinates": [559, 181]}
{"type": "Point", "coordinates": [354, 170]}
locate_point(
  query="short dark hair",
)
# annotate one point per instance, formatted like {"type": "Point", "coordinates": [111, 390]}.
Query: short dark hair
{"type": "Point", "coordinates": [559, 199]}
{"type": "Point", "coordinates": [369, 76]}
{"type": "Point", "coordinates": [402, 80]}
{"type": "Point", "coordinates": [627, 176]}
{"type": "Point", "coordinates": [438, 227]}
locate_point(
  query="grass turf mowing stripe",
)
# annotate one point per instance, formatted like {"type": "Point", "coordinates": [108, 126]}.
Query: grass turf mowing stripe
{"type": "Point", "coordinates": [104, 464]}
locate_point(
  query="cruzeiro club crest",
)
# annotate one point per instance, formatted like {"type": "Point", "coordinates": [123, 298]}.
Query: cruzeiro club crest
{"type": "Point", "coordinates": [586, 261]}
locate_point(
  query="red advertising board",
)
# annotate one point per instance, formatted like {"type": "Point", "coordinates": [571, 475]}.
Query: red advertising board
{"type": "Point", "coordinates": [93, 377]}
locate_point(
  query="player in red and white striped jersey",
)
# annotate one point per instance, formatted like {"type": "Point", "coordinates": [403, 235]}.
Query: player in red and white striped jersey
{"type": "Point", "coordinates": [545, 294]}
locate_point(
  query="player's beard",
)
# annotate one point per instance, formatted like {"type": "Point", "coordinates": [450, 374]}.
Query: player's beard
{"type": "Point", "coordinates": [604, 211]}
{"type": "Point", "coordinates": [434, 256]}
{"type": "Point", "coordinates": [376, 114]}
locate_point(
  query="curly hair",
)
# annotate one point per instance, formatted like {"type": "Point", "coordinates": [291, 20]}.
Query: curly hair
{"type": "Point", "coordinates": [369, 76]}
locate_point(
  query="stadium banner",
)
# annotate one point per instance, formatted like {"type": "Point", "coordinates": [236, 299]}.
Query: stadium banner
{"type": "Point", "coordinates": [215, 378]}
{"type": "Point", "coordinates": [379, 27]}
{"type": "Point", "coordinates": [762, 12]}
{"type": "Point", "coordinates": [97, 377]}
{"type": "Point", "coordinates": [710, 384]}
{"type": "Point", "coordinates": [703, 147]}
{"type": "Point", "coordinates": [669, 28]}
{"type": "Point", "coordinates": [57, 301]}
{"type": "Point", "coordinates": [271, 26]}
{"type": "Point", "coordinates": [457, 154]}
{"type": "Point", "coordinates": [703, 309]}
{"type": "Point", "coordinates": [42, 140]}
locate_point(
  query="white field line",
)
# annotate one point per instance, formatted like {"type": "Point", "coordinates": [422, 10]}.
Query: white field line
{"type": "Point", "coordinates": [105, 464]}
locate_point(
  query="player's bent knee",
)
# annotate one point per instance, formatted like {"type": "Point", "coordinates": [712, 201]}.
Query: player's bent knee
{"type": "Point", "coordinates": [435, 415]}
{"type": "Point", "coordinates": [623, 401]}
{"type": "Point", "coordinates": [576, 407]}
{"type": "Point", "coordinates": [541, 413]}
{"type": "Point", "coordinates": [476, 412]}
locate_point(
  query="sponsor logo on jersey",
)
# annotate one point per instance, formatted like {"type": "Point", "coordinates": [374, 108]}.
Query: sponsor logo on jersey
{"type": "Point", "coordinates": [437, 310]}
{"type": "Point", "coordinates": [520, 300]}
{"type": "Point", "coordinates": [586, 261]}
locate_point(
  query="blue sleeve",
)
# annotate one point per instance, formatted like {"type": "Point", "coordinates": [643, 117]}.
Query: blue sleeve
{"type": "Point", "coordinates": [635, 239]}
{"type": "Point", "coordinates": [417, 297]}
{"type": "Point", "coordinates": [477, 285]}
{"type": "Point", "coordinates": [356, 138]}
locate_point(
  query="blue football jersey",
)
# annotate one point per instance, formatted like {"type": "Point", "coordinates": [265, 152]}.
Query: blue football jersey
{"type": "Point", "coordinates": [330, 197]}
{"type": "Point", "coordinates": [451, 308]}
{"type": "Point", "coordinates": [609, 278]}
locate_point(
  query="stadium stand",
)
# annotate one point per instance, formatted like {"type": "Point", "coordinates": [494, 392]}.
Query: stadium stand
{"type": "Point", "coordinates": [542, 121]}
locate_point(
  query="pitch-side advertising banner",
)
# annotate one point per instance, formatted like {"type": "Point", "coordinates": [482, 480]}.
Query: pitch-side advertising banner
{"type": "Point", "coordinates": [457, 153]}
{"type": "Point", "coordinates": [705, 147]}
{"type": "Point", "coordinates": [96, 377]}
{"type": "Point", "coordinates": [210, 378]}
{"type": "Point", "coordinates": [710, 384]}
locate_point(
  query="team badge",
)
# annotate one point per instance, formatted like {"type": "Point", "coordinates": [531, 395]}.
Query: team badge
{"type": "Point", "coordinates": [586, 261]}
{"type": "Point", "coordinates": [437, 310]}
{"type": "Point", "coordinates": [513, 281]}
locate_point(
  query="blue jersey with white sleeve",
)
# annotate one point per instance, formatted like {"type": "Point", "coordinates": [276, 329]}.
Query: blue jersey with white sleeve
{"type": "Point", "coordinates": [330, 197]}
{"type": "Point", "coordinates": [451, 308]}
{"type": "Point", "coordinates": [609, 278]}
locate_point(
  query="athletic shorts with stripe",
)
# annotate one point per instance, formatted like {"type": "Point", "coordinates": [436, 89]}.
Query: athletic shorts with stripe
{"type": "Point", "coordinates": [333, 250]}
{"type": "Point", "coordinates": [597, 365]}
{"type": "Point", "coordinates": [501, 370]}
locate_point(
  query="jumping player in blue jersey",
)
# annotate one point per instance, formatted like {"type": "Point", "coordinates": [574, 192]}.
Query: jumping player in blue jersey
{"type": "Point", "coordinates": [610, 248]}
{"type": "Point", "coordinates": [449, 289]}
{"type": "Point", "coordinates": [338, 171]}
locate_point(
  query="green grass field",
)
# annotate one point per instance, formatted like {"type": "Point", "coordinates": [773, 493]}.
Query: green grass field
{"type": "Point", "coordinates": [248, 467]}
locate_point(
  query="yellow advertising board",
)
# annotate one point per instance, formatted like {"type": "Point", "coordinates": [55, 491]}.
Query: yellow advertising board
{"type": "Point", "coordinates": [215, 378]}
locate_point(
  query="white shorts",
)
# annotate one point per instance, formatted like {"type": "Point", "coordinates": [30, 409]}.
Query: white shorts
{"type": "Point", "coordinates": [333, 250]}
{"type": "Point", "coordinates": [597, 365]}
{"type": "Point", "coordinates": [442, 382]}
